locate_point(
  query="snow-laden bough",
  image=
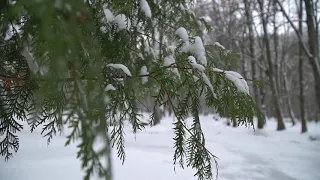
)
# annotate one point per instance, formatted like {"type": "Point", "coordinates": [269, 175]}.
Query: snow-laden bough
{"type": "Point", "coordinates": [120, 66]}
{"type": "Point", "coordinates": [144, 6]}
{"type": "Point", "coordinates": [238, 81]}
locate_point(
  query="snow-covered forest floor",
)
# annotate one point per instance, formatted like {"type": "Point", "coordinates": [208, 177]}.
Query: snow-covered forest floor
{"type": "Point", "coordinates": [243, 154]}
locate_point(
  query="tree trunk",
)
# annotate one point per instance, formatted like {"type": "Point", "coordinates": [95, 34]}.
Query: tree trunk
{"type": "Point", "coordinates": [270, 72]}
{"type": "Point", "coordinates": [312, 39]}
{"type": "Point", "coordinates": [276, 51]}
{"type": "Point", "coordinates": [289, 105]}
{"type": "Point", "coordinates": [301, 96]}
{"type": "Point", "coordinates": [313, 36]}
{"type": "Point", "coordinates": [256, 93]}
{"type": "Point", "coordinates": [234, 123]}
{"type": "Point", "coordinates": [262, 93]}
{"type": "Point", "coordinates": [157, 115]}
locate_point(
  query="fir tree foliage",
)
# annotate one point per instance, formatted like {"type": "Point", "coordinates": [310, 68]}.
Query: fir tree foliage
{"type": "Point", "coordinates": [79, 64]}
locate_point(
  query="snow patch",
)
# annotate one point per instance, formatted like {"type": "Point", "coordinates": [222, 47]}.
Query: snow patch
{"type": "Point", "coordinates": [219, 45]}
{"type": "Point", "coordinates": [168, 60]}
{"type": "Point", "coordinates": [33, 65]}
{"type": "Point", "coordinates": [109, 87]}
{"type": "Point", "coordinates": [103, 29]}
{"type": "Point", "coordinates": [120, 66]}
{"type": "Point", "coordinates": [144, 6]}
{"type": "Point", "coordinates": [144, 71]}
{"type": "Point", "coordinates": [122, 21]}
{"type": "Point", "coordinates": [171, 49]}
{"type": "Point", "coordinates": [238, 81]}
{"type": "Point", "coordinates": [182, 33]}
{"type": "Point", "coordinates": [207, 81]}
{"type": "Point", "coordinates": [185, 47]}
{"type": "Point", "coordinates": [43, 70]}
{"type": "Point", "coordinates": [217, 70]}
{"type": "Point", "coordinates": [195, 65]}
{"type": "Point", "coordinates": [199, 51]}
{"type": "Point", "coordinates": [108, 14]}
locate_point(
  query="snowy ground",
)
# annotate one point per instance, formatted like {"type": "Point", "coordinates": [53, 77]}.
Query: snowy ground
{"type": "Point", "coordinates": [243, 155]}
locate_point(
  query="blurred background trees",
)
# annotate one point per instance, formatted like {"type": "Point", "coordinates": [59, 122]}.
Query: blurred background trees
{"type": "Point", "coordinates": [278, 44]}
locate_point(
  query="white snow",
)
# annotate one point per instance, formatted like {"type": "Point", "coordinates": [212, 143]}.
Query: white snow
{"type": "Point", "coordinates": [206, 18]}
{"type": "Point", "coordinates": [146, 46]}
{"type": "Point", "coordinates": [195, 78]}
{"type": "Point", "coordinates": [43, 70]}
{"type": "Point", "coordinates": [217, 70]}
{"type": "Point", "coordinates": [243, 154]}
{"type": "Point", "coordinates": [185, 47]}
{"type": "Point", "coordinates": [195, 65]}
{"type": "Point", "coordinates": [109, 87]}
{"type": "Point", "coordinates": [9, 33]}
{"type": "Point", "coordinates": [206, 80]}
{"type": "Point", "coordinates": [182, 33]}
{"type": "Point", "coordinates": [181, 6]}
{"type": "Point", "coordinates": [122, 21]}
{"type": "Point", "coordinates": [140, 55]}
{"type": "Point", "coordinates": [103, 29]}
{"type": "Point", "coordinates": [108, 14]}
{"type": "Point", "coordinates": [120, 66]}
{"type": "Point", "coordinates": [144, 6]}
{"type": "Point", "coordinates": [168, 60]}
{"type": "Point", "coordinates": [32, 63]}
{"type": "Point", "coordinates": [199, 51]}
{"type": "Point", "coordinates": [219, 45]}
{"type": "Point", "coordinates": [171, 49]}
{"type": "Point", "coordinates": [144, 71]}
{"type": "Point", "coordinates": [238, 81]}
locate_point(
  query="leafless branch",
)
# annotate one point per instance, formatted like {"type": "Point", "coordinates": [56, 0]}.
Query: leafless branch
{"type": "Point", "coordinates": [305, 49]}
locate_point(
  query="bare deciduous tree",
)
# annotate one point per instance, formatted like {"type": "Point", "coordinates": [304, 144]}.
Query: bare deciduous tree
{"type": "Point", "coordinates": [270, 73]}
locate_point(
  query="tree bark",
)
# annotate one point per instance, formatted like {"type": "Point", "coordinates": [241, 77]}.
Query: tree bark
{"type": "Point", "coordinates": [301, 88]}
{"type": "Point", "coordinates": [289, 105]}
{"type": "Point", "coordinates": [270, 72]}
{"type": "Point", "coordinates": [276, 50]}
{"type": "Point", "coordinates": [256, 94]}
{"type": "Point", "coordinates": [157, 115]}
{"type": "Point", "coordinates": [312, 39]}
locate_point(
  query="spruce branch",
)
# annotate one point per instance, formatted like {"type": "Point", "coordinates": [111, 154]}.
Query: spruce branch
{"type": "Point", "coordinates": [180, 153]}
{"type": "Point", "coordinates": [74, 79]}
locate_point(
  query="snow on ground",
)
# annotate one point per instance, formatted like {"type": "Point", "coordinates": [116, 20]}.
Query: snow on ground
{"type": "Point", "coordinates": [243, 155]}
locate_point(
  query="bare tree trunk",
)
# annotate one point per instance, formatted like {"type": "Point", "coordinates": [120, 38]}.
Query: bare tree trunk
{"type": "Point", "coordinates": [244, 63]}
{"type": "Point", "coordinates": [270, 73]}
{"type": "Point", "coordinates": [234, 123]}
{"type": "Point", "coordinates": [276, 50]}
{"type": "Point", "coordinates": [301, 97]}
{"type": "Point", "coordinates": [312, 51]}
{"type": "Point", "coordinates": [289, 105]}
{"type": "Point", "coordinates": [312, 39]}
{"type": "Point", "coordinates": [157, 115]}
{"type": "Point", "coordinates": [262, 93]}
{"type": "Point", "coordinates": [256, 93]}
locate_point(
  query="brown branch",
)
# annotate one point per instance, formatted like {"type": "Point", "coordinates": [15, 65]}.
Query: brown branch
{"type": "Point", "coordinates": [173, 65]}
